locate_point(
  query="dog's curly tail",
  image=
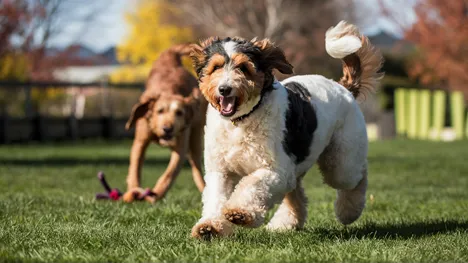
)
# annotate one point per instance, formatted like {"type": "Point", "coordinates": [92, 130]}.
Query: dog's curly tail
{"type": "Point", "coordinates": [361, 60]}
{"type": "Point", "coordinates": [172, 57]}
{"type": "Point", "coordinates": [181, 49]}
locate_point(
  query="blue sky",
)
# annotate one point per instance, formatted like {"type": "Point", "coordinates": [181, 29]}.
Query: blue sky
{"type": "Point", "coordinates": [110, 28]}
{"type": "Point", "coordinates": [106, 30]}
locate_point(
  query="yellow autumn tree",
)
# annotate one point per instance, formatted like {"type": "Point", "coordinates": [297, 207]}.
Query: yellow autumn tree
{"type": "Point", "coordinates": [148, 37]}
{"type": "Point", "coordinates": [13, 67]}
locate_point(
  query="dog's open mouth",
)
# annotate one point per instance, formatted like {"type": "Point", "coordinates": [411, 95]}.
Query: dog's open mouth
{"type": "Point", "coordinates": [228, 105]}
{"type": "Point", "coordinates": [167, 137]}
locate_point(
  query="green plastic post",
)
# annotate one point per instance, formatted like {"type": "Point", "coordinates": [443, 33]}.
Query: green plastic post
{"type": "Point", "coordinates": [424, 113]}
{"type": "Point", "coordinates": [400, 111]}
{"type": "Point", "coordinates": [438, 114]}
{"type": "Point", "coordinates": [413, 114]}
{"type": "Point", "coordinates": [457, 113]}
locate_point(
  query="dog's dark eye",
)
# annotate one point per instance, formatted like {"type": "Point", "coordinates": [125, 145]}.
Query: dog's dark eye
{"type": "Point", "coordinates": [179, 113]}
{"type": "Point", "coordinates": [216, 67]}
{"type": "Point", "coordinates": [160, 111]}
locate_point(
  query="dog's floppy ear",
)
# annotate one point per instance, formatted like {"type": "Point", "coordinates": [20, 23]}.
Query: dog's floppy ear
{"type": "Point", "coordinates": [198, 55]}
{"type": "Point", "coordinates": [273, 56]}
{"type": "Point", "coordinates": [139, 110]}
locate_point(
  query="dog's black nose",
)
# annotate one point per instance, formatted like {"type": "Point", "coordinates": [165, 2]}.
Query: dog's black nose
{"type": "Point", "coordinates": [224, 90]}
{"type": "Point", "coordinates": [168, 129]}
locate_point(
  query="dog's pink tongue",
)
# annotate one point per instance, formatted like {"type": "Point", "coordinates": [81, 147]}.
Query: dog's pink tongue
{"type": "Point", "coordinates": [227, 103]}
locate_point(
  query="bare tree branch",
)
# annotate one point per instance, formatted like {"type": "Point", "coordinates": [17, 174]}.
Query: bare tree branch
{"type": "Point", "coordinates": [296, 25]}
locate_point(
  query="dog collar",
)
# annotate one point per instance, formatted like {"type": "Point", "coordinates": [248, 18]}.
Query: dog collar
{"type": "Point", "coordinates": [265, 90]}
{"type": "Point", "coordinates": [240, 118]}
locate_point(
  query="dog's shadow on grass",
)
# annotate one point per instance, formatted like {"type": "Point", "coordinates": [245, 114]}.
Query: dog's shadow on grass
{"type": "Point", "coordinates": [392, 231]}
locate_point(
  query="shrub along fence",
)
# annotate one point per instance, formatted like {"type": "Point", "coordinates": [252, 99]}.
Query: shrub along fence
{"type": "Point", "coordinates": [50, 111]}
{"type": "Point", "coordinates": [437, 115]}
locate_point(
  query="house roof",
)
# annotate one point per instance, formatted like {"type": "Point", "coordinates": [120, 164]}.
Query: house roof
{"type": "Point", "coordinates": [389, 43]}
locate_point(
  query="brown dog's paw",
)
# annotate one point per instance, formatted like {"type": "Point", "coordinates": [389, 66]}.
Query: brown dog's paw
{"type": "Point", "coordinates": [239, 216]}
{"type": "Point", "coordinates": [139, 194]}
{"type": "Point", "coordinates": [132, 195]}
{"type": "Point", "coordinates": [151, 198]}
{"type": "Point", "coordinates": [211, 228]}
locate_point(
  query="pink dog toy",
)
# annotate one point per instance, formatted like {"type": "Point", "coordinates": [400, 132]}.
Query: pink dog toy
{"type": "Point", "coordinates": [115, 194]}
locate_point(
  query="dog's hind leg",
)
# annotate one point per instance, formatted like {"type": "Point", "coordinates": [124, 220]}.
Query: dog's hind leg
{"type": "Point", "coordinates": [351, 185]}
{"type": "Point", "coordinates": [196, 164]}
{"type": "Point", "coordinates": [344, 167]}
{"type": "Point", "coordinates": [350, 203]}
{"type": "Point", "coordinates": [292, 212]}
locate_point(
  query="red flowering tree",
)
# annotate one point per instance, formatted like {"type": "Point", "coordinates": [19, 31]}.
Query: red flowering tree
{"type": "Point", "coordinates": [440, 33]}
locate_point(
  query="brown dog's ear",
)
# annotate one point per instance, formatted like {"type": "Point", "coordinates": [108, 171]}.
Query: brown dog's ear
{"type": "Point", "coordinates": [273, 56]}
{"type": "Point", "coordinates": [139, 110]}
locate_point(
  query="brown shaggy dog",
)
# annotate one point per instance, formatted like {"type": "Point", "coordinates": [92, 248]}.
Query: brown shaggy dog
{"type": "Point", "coordinates": [171, 112]}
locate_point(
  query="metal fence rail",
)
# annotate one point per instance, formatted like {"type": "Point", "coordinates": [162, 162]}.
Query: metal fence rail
{"type": "Point", "coordinates": [13, 84]}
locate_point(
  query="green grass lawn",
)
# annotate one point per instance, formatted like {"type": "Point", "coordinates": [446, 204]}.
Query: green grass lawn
{"type": "Point", "coordinates": [418, 211]}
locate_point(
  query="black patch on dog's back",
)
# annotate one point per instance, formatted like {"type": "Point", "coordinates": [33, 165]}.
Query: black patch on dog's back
{"type": "Point", "coordinates": [301, 122]}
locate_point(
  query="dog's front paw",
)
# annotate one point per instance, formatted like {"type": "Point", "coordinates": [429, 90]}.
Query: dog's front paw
{"type": "Point", "coordinates": [211, 228]}
{"type": "Point", "coordinates": [139, 194]}
{"type": "Point", "coordinates": [240, 217]}
{"type": "Point", "coordinates": [132, 194]}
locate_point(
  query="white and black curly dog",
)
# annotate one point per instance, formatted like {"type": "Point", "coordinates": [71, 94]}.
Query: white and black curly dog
{"type": "Point", "coordinates": [262, 135]}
